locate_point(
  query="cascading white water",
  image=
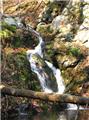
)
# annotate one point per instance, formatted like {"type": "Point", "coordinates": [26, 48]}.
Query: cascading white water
{"type": "Point", "coordinates": [59, 79]}
{"type": "Point", "coordinates": [42, 76]}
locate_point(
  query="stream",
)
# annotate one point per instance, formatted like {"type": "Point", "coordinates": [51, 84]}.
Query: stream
{"type": "Point", "coordinates": [61, 115]}
{"type": "Point", "coordinates": [51, 80]}
{"type": "Point", "coordinates": [37, 67]}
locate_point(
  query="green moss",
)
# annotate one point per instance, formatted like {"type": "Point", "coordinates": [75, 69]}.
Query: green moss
{"type": "Point", "coordinates": [45, 29]}
{"type": "Point", "coordinates": [16, 42]}
{"type": "Point", "coordinates": [49, 52]}
{"type": "Point", "coordinates": [74, 51]}
{"type": "Point", "coordinates": [53, 6]}
{"type": "Point", "coordinates": [16, 37]}
{"type": "Point", "coordinates": [49, 30]}
{"type": "Point", "coordinates": [11, 28]}
{"type": "Point", "coordinates": [18, 71]}
{"type": "Point", "coordinates": [6, 30]}
{"type": "Point", "coordinates": [5, 33]}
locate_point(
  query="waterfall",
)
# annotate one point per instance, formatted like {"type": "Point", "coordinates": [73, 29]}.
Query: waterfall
{"type": "Point", "coordinates": [59, 79]}
{"type": "Point", "coordinates": [40, 72]}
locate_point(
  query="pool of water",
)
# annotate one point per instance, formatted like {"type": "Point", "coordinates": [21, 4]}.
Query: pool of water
{"type": "Point", "coordinates": [53, 115]}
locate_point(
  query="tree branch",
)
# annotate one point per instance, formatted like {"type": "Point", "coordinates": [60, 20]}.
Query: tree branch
{"type": "Point", "coordinates": [52, 97]}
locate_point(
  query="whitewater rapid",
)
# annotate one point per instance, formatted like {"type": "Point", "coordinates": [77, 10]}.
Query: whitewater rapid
{"type": "Point", "coordinates": [38, 50]}
{"type": "Point", "coordinates": [42, 76]}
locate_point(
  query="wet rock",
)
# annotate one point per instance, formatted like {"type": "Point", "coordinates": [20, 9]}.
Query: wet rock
{"type": "Point", "coordinates": [45, 71]}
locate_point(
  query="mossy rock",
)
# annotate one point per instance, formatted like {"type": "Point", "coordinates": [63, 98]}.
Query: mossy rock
{"type": "Point", "coordinates": [44, 29]}
{"type": "Point", "coordinates": [13, 37]}
{"type": "Point", "coordinates": [4, 25]}
{"type": "Point", "coordinates": [51, 10]}
{"type": "Point", "coordinates": [45, 71]}
{"type": "Point", "coordinates": [72, 61]}
{"type": "Point", "coordinates": [17, 70]}
{"type": "Point", "coordinates": [6, 30]}
{"type": "Point", "coordinates": [5, 34]}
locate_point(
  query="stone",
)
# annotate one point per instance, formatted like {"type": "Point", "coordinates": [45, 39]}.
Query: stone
{"type": "Point", "coordinates": [65, 29]}
{"type": "Point", "coordinates": [57, 21]}
{"type": "Point", "coordinates": [86, 11]}
{"type": "Point", "coordinates": [10, 21]}
{"type": "Point", "coordinates": [82, 35]}
{"type": "Point", "coordinates": [83, 32]}
{"type": "Point", "coordinates": [13, 21]}
{"type": "Point", "coordinates": [43, 68]}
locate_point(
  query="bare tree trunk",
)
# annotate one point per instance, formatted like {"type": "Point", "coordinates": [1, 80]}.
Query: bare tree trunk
{"type": "Point", "coordinates": [53, 97]}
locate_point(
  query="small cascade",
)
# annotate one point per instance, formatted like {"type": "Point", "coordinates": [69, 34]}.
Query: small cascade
{"type": "Point", "coordinates": [40, 71]}
{"type": "Point", "coordinates": [59, 79]}
{"type": "Point", "coordinates": [32, 56]}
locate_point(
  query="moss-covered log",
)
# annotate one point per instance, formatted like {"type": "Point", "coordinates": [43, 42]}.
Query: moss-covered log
{"type": "Point", "coordinates": [62, 98]}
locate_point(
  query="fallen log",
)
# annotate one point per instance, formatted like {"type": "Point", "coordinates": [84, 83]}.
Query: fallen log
{"type": "Point", "coordinates": [52, 97]}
